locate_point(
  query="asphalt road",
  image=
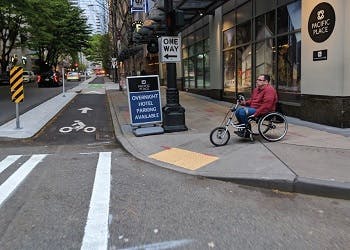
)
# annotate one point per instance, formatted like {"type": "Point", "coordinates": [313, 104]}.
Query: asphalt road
{"type": "Point", "coordinates": [153, 208]}
{"type": "Point", "coordinates": [33, 96]}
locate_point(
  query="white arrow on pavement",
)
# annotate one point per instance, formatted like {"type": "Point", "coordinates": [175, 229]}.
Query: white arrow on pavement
{"type": "Point", "coordinates": [85, 110]}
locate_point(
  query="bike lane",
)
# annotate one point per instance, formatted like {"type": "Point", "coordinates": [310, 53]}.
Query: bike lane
{"type": "Point", "coordinates": [85, 120]}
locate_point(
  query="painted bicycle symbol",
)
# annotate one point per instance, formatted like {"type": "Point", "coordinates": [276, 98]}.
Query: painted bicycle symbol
{"type": "Point", "coordinates": [77, 125]}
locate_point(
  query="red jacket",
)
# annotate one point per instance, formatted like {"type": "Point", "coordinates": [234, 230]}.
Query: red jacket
{"type": "Point", "coordinates": [263, 100]}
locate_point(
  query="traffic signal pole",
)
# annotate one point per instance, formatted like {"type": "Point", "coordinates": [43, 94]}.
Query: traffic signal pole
{"type": "Point", "coordinates": [173, 112]}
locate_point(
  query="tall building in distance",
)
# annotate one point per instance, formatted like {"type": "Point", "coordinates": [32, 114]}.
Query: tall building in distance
{"type": "Point", "coordinates": [96, 12]}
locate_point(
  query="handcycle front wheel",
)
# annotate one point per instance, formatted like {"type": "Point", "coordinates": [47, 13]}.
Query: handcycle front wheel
{"type": "Point", "coordinates": [219, 136]}
{"type": "Point", "coordinates": [273, 126]}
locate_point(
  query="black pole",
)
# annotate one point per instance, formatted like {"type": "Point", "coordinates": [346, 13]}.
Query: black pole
{"type": "Point", "coordinates": [173, 112]}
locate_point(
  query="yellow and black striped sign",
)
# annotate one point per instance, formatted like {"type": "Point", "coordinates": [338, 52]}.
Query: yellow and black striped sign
{"type": "Point", "coordinates": [16, 82]}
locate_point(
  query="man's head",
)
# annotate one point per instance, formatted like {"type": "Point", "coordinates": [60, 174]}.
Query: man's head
{"type": "Point", "coordinates": [262, 80]}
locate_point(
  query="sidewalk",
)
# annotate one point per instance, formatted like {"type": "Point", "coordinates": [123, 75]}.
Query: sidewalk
{"type": "Point", "coordinates": [308, 160]}
{"type": "Point", "coordinates": [311, 159]}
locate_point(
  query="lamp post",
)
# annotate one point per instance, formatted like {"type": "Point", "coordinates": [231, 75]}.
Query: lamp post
{"type": "Point", "coordinates": [173, 112]}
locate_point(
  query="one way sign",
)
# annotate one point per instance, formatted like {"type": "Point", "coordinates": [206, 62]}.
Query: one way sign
{"type": "Point", "coordinates": [170, 49]}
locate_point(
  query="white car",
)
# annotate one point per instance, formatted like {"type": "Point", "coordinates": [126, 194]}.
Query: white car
{"type": "Point", "coordinates": [73, 76]}
{"type": "Point", "coordinates": [28, 76]}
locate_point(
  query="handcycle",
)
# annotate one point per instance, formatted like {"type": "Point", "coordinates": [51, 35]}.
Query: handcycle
{"type": "Point", "coordinates": [272, 126]}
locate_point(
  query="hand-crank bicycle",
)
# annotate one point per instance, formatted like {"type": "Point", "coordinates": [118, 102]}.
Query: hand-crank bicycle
{"type": "Point", "coordinates": [272, 126]}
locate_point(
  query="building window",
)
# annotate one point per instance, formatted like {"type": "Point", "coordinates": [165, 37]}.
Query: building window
{"type": "Point", "coordinates": [265, 26]}
{"type": "Point", "coordinates": [244, 68]}
{"type": "Point", "coordinates": [243, 33]}
{"type": "Point", "coordinates": [265, 58]}
{"type": "Point", "coordinates": [229, 71]}
{"type": "Point", "coordinates": [229, 38]}
{"type": "Point", "coordinates": [196, 61]}
{"type": "Point", "coordinates": [288, 63]}
{"type": "Point", "coordinates": [289, 18]}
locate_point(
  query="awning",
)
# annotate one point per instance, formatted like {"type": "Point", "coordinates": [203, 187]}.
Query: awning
{"type": "Point", "coordinates": [155, 23]}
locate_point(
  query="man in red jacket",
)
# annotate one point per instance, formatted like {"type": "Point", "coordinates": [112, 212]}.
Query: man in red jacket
{"type": "Point", "coordinates": [262, 101]}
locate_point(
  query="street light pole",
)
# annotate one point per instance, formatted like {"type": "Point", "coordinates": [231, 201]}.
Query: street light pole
{"type": "Point", "coordinates": [173, 112]}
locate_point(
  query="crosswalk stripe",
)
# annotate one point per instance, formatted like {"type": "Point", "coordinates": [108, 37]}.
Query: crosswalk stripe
{"type": "Point", "coordinates": [10, 185]}
{"type": "Point", "coordinates": [5, 163]}
{"type": "Point", "coordinates": [96, 229]}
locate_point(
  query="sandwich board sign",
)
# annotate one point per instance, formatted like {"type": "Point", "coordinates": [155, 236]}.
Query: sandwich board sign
{"type": "Point", "coordinates": [145, 104]}
{"type": "Point", "coordinates": [170, 49]}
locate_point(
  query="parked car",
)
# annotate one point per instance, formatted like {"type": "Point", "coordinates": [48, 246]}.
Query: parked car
{"type": "Point", "coordinates": [49, 79]}
{"type": "Point", "coordinates": [73, 76]}
{"type": "Point", "coordinates": [28, 76]}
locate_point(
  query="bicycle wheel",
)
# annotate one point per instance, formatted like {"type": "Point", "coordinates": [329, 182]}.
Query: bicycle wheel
{"type": "Point", "coordinates": [219, 136]}
{"type": "Point", "coordinates": [273, 126]}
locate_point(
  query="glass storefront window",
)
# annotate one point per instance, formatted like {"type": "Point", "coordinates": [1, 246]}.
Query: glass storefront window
{"type": "Point", "coordinates": [184, 53]}
{"type": "Point", "coordinates": [265, 26]}
{"type": "Point", "coordinates": [244, 68]}
{"type": "Point", "coordinates": [229, 71]}
{"type": "Point", "coordinates": [228, 20]}
{"type": "Point", "coordinates": [289, 18]}
{"type": "Point", "coordinates": [200, 71]}
{"type": "Point", "coordinates": [229, 38]}
{"type": "Point", "coordinates": [191, 50]}
{"type": "Point", "coordinates": [289, 63]}
{"type": "Point", "coordinates": [244, 12]}
{"type": "Point", "coordinates": [243, 33]}
{"type": "Point", "coordinates": [191, 73]}
{"type": "Point", "coordinates": [185, 73]}
{"type": "Point", "coordinates": [264, 58]}
{"type": "Point", "coordinates": [207, 45]}
{"type": "Point", "coordinates": [264, 6]}
{"type": "Point", "coordinates": [206, 71]}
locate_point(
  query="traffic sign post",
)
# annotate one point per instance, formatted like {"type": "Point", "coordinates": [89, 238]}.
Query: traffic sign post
{"type": "Point", "coordinates": [173, 112]}
{"type": "Point", "coordinates": [170, 49]}
{"type": "Point", "coordinates": [16, 84]}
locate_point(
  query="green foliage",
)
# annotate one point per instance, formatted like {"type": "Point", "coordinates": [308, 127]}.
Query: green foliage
{"type": "Point", "coordinates": [51, 28]}
{"type": "Point", "coordinates": [99, 49]}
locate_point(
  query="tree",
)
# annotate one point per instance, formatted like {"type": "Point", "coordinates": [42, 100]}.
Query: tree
{"type": "Point", "coordinates": [12, 25]}
{"type": "Point", "coordinates": [99, 49]}
{"type": "Point", "coordinates": [51, 28]}
{"type": "Point", "coordinates": [61, 30]}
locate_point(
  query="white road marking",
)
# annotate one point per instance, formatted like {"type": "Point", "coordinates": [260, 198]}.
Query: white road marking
{"type": "Point", "coordinates": [162, 245]}
{"type": "Point", "coordinates": [96, 229]}
{"type": "Point", "coordinates": [10, 185]}
{"type": "Point", "coordinates": [5, 163]}
{"type": "Point", "coordinates": [85, 110]}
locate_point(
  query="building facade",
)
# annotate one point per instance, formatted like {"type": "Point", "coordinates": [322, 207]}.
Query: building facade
{"type": "Point", "coordinates": [301, 44]}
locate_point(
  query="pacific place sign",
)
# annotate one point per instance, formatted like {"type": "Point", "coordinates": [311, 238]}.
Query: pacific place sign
{"type": "Point", "coordinates": [321, 22]}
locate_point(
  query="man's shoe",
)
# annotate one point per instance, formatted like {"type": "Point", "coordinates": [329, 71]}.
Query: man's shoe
{"type": "Point", "coordinates": [240, 133]}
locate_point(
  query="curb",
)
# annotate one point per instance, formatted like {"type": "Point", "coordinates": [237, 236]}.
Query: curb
{"type": "Point", "coordinates": [300, 185]}
{"type": "Point", "coordinates": [324, 188]}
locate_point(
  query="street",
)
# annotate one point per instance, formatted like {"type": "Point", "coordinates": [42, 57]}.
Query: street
{"type": "Point", "coordinates": [157, 207]}
{"type": "Point", "coordinates": [32, 97]}
{"type": "Point", "coordinates": [74, 187]}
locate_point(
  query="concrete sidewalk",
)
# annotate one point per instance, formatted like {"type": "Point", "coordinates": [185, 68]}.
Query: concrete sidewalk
{"type": "Point", "coordinates": [312, 158]}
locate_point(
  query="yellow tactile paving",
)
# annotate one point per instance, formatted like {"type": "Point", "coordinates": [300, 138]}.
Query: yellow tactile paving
{"type": "Point", "coordinates": [184, 158]}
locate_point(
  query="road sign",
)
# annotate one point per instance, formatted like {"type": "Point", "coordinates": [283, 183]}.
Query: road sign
{"type": "Point", "coordinates": [16, 82]}
{"type": "Point", "coordinates": [170, 49]}
{"type": "Point", "coordinates": [144, 99]}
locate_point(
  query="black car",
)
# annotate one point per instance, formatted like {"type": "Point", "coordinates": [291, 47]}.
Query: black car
{"type": "Point", "coordinates": [49, 79]}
